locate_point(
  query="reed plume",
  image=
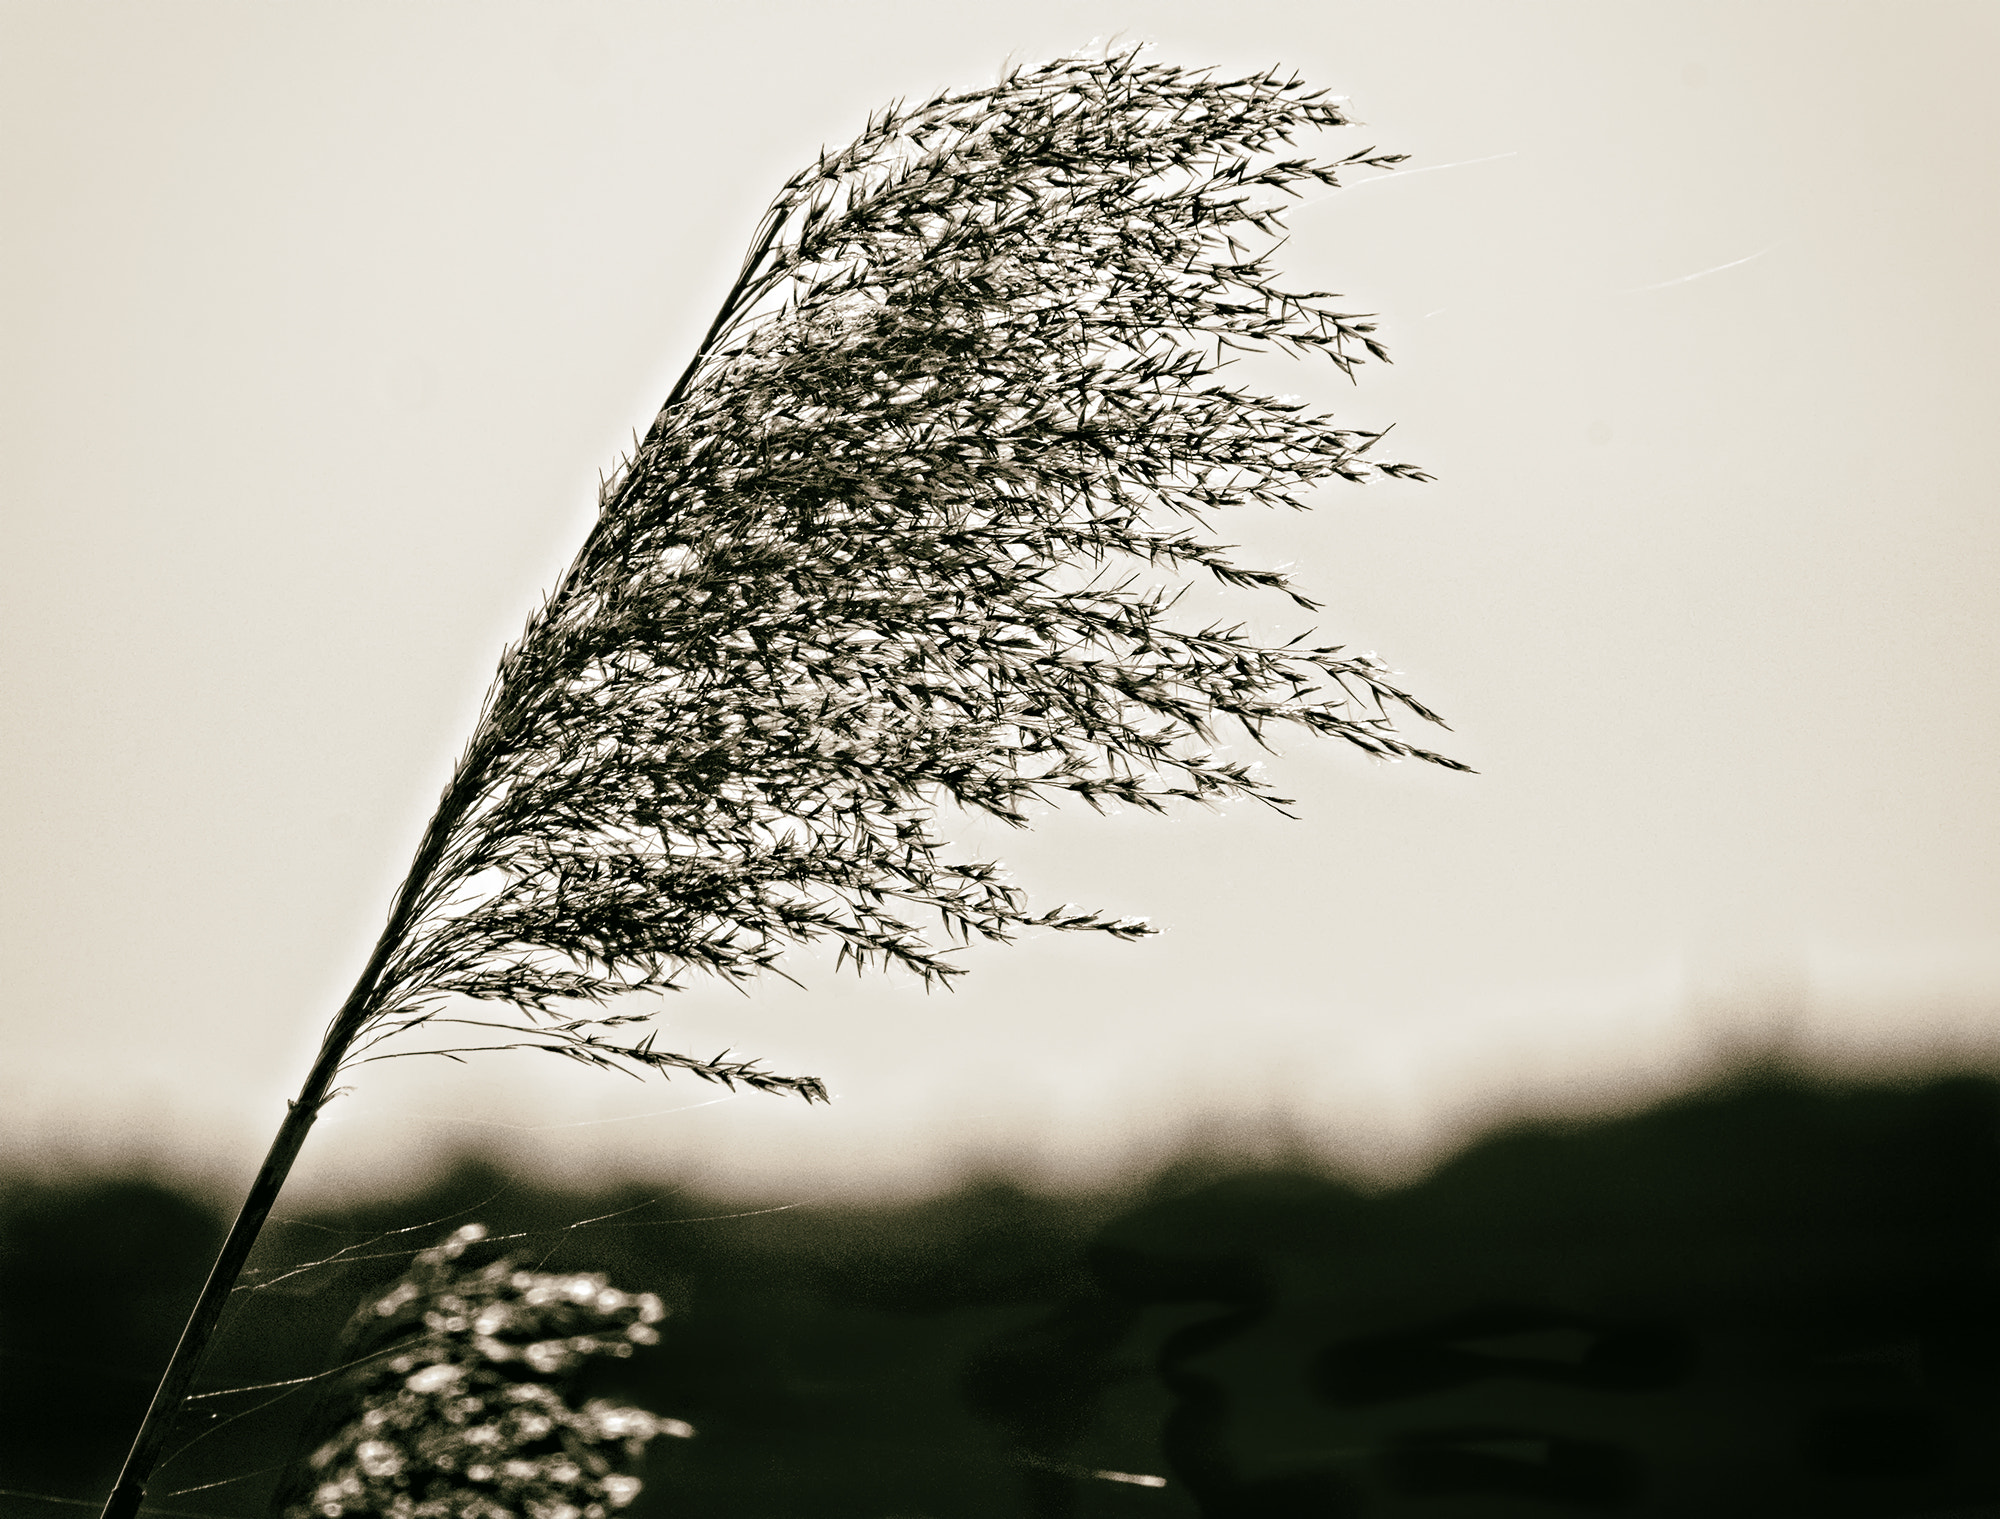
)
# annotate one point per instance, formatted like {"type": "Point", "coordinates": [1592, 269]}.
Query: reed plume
{"type": "Point", "coordinates": [459, 1402]}
{"type": "Point", "coordinates": [908, 534]}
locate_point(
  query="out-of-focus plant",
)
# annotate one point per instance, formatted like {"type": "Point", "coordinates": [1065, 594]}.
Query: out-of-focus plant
{"type": "Point", "coordinates": [909, 534]}
{"type": "Point", "coordinates": [459, 1407]}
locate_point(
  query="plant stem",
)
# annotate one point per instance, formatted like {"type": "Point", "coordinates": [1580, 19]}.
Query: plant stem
{"type": "Point", "coordinates": [179, 1378]}
{"type": "Point", "coordinates": [355, 1014]}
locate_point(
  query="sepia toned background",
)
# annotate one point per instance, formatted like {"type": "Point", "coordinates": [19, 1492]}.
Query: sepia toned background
{"type": "Point", "coordinates": [319, 323]}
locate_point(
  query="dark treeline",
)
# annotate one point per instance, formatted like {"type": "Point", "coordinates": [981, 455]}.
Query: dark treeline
{"type": "Point", "coordinates": [1771, 1298]}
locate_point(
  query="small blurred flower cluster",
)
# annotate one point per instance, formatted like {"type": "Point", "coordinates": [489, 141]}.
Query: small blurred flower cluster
{"type": "Point", "coordinates": [458, 1417]}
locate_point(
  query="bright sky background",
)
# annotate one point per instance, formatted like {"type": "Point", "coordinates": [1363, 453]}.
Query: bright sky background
{"type": "Point", "coordinates": [319, 321]}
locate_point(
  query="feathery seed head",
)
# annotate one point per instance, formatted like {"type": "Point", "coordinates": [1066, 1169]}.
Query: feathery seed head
{"type": "Point", "coordinates": [446, 1426]}
{"type": "Point", "coordinates": [876, 557]}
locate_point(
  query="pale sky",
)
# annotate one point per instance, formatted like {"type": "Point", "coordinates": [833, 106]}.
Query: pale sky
{"type": "Point", "coordinates": [319, 321]}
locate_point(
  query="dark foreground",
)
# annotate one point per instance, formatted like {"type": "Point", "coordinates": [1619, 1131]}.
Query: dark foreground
{"type": "Point", "coordinates": [1771, 1299]}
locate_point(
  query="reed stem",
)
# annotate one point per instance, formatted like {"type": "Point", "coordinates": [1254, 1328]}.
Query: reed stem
{"type": "Point", "coordinates": [178, 1379]}
{"type": "Point", "coordinates": [180, 1373]}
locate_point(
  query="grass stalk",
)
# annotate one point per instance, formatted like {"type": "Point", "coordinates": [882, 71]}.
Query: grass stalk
{"type": "Point", "coordinates": [908, 536]}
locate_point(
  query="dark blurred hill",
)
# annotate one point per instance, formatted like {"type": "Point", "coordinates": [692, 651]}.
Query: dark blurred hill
{"type": "Point", "coordinates": [1771, 1298]}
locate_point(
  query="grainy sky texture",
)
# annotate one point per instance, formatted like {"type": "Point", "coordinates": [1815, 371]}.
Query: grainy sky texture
{"type": "Point", "coordinates": [319, 321]}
